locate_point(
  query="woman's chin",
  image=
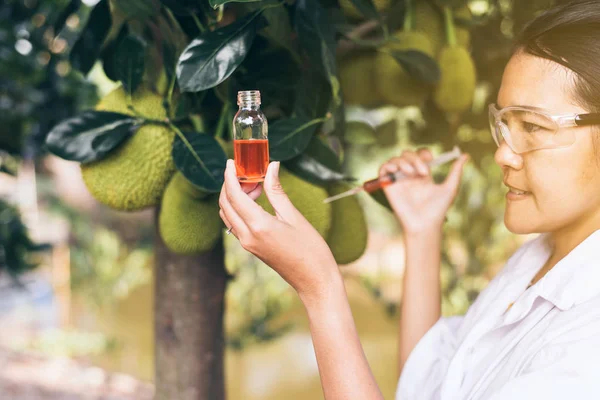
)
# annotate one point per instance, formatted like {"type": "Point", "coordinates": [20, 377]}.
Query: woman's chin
{"type": "Point", "coordinates": [519, 225]}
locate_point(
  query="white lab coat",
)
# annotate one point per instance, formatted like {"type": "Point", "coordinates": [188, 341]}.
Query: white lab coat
{"type": "Point", "coordinates": [546, 346]}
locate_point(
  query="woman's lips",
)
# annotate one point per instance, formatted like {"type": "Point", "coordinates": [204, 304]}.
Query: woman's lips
{"type": "Point", "coordinates": [514, 195]}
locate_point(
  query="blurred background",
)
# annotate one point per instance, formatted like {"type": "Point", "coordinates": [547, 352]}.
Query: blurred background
{"type": "Point", "coordinates": [76, 277]}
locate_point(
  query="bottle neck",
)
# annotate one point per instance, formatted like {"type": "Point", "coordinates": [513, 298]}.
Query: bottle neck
{"type": "Point", "coordinates": [248, 100]}
{"type": "Point", "coordinates": [249, 106]}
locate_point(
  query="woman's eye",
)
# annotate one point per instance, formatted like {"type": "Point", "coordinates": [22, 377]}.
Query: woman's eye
{"type": "Point", "coordinates": [530, 128]}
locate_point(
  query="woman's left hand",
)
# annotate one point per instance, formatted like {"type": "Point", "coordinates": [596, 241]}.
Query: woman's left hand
{"type": "Point", "coordinates": [286, 242]}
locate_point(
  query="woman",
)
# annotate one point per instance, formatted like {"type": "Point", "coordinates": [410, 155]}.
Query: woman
{"type": "Point", "coordinates": [534, 332]}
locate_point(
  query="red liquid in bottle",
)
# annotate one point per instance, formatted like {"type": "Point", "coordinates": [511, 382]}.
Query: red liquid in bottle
{"type": "Point", "coordinates": [251, 159]}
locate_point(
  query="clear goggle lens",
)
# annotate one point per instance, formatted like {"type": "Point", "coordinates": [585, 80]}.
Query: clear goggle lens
{"type": "Point", "coordinates": [526, 130]}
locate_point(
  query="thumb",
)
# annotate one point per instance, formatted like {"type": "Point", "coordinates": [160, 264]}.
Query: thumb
{"type": "Point", "coordinates": [279, 200]}
{"type": "Point", "coordinates": [453, 179]}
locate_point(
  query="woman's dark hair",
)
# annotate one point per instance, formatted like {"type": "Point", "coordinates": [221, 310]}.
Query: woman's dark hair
{"type": "Point", "coordinates": [569, 34]}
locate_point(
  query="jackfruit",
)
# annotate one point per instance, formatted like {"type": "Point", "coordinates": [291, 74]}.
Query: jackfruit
{"type": "Point", "coordinates": [189, 220]}
{"type": "Point", "coordinates": [455, 90]}
{"type": "Point", "coordinates": [348, 235]}
{"type": "Point", "coordinates": [429, 20]}
{"type": "Point", "coordinates": [135, 174]}
{"type": "Point", "coordinates": [393, 83]}
{"type": "Point", "coordinates": [356, 73]}
{"type": "Point", "coordinates": [352, 12]}
{"type": "Point", "coordinates": [306, 197]}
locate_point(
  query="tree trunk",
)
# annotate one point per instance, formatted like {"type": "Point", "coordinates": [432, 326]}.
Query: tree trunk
{"type": "Point", "coordinates": [188, 324]}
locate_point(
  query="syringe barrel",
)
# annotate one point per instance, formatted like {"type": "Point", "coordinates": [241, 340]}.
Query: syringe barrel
{"type": "Point", "coordinates": [378, 183]}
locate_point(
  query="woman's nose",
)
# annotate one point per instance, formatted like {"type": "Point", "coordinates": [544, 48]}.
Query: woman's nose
{"type": "Point", "coordinates": [506, 157]}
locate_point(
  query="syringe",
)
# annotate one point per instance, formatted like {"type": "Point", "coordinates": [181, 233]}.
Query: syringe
{"type": "Point", "coordinates": [378, 183]}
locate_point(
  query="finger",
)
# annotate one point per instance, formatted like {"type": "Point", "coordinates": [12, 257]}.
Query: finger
{"type": "Point", "coordinates": [229, 216]}
{"type": "Point", "coordinates": [243, 205]}
{"type": "Point", "coordinates": [256, 192]}
{"type": "Point", "coordinates": [425, 154]}
{"type": "Point", "coordinates": [416, 161]}
{"type": "Point", "coordinates": [279, 200]}
{"type": "Point", "coordinates": [388, 168]}
{"type": "Point", "coordinates": [453, 179]}
{"type": "Point", "coordinates": [225, 220]}
{"type": "Point", "coordinates": [407, 168]}
{"type": "Point", "coordinates": [248, 187]}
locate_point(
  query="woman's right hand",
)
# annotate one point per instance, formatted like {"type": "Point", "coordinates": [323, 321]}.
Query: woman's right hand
{"type": "Point", "coordinates": [419, 203]}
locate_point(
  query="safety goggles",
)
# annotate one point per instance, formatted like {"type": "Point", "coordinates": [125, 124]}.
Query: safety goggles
{"type": "Point", "coordinates": [530, 128]}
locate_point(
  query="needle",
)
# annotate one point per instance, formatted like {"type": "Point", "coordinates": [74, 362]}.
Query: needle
{"type": "Point", "coordinates": [378, 183]}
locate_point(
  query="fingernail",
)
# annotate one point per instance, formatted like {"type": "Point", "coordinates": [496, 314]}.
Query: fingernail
{"type": "Point", "coordinates": [276, 169]}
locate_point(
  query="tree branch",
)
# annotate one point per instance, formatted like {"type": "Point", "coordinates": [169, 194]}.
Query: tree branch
{"type": "Point", "coordinates": [349, 43]}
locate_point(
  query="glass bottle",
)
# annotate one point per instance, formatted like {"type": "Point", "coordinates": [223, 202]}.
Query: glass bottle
{"type": "Point", "coordinates": [250, 139]}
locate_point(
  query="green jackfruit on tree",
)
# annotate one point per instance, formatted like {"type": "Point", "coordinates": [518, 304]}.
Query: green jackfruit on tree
{"type": "Point", "coordinates": [352, 12]}
{"type": "Point", "coordinates": [189, 220]}
{"type": "Point", "coordinates": [393, 83]}
{"type": "Point", "coordinates": [135, 174]}
{"type": "Point", "coordinates": [455, 90]}
{"type": "Point", "coordinates": [348, 235]}
{"type": "Point", "coordinates": [306, 197]}
{"type": "Point", "coordinates": [456, 87]}
{"type": "Point", "coordinates": [356, 73]}
{"type": "Point", "coordinates": [430, 20]}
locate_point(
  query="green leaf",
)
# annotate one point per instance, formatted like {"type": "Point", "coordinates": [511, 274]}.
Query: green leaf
{"type": "Point", "coordinates": [273, 72]}
{"type": "Point", "coordinates": [387, 134]}
{"type": "Point", "coordinates": [129, 62]}
{"type": "Point", "coordinates": [312, 95]}
{"type": "Point", "coordinates": [318, 164]}
{"type": "Point", "coordinates": [395, 16]}
{"type": "Point", "coordinates": [213, 56]}
{"type": "Point", "coordinates": [200, 159]}
{"type": "Point", "coordinates": [216, 3]}
{"type": "Point", "coordinates": [359, 133]}
{"type": "Point", "coordinates": [317, 36]}
{"type": "Point", "coordinates": [138, 9]}
{"type": "Point", "coordinates": [183, 7]}
{"type": "Point", "coordinates": [109, 54]}
{"type": "Point", "coordinates": [290, 137]}
{"type": "Point", "coordinates": [418, 65]}
{"type": "Point", "coordinates": [367, 9]}
{"type": "Point", "coordinates": [87, 48]}
{"type": "Point", "coordinates": [169, 60]}
{"type": "Point", "coordinates": [379, 196]}
{"type": "Point", "coordinates": [279, 28]}
{"type": "Point", "coordinates": [59, 22]}
{"type": "Point", "coordinates": [90, 135]}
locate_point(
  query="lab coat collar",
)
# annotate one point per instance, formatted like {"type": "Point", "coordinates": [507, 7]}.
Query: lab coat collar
{"type": "Point", "coordinates": [573, 280]}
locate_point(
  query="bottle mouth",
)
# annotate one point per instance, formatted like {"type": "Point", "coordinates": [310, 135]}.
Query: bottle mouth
{"type": "Point", "coordinates": [248, 98]}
